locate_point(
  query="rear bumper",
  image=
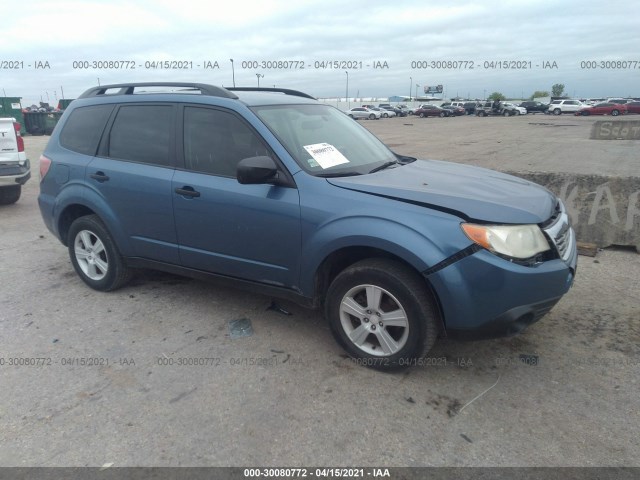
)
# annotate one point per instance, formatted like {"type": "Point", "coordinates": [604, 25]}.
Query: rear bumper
{"type": "Point", "coordinates": [14, 174]}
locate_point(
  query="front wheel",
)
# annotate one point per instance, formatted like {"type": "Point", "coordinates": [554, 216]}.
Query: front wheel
{"type": "Point", "coordinates": [505, 113]}
{"type": "Point", "coordinates": [615, 113]}
{"type": "Point", "coordinates": [422, 115]}
{"type": "Point", "coordinates": [94, 255]}
{"type": "Point", "coordinates": [381, 313]}
{"type": "Point", "coordinates": [557, 111]}
{"type": "Point", "coordinates": [372, 117]}
{"type": "Point", "coordinates": [442, 114]}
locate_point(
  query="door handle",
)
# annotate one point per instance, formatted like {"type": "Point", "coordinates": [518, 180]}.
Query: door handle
{"type": "Point", "coordinates": [100, 176]}
{"type": "Point", "coordinates": [187, 192]}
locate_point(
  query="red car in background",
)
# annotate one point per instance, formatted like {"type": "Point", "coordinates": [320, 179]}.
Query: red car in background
{"type": "Point", "coordinates": [604, 108]}
{"type": "Point", "coordinates": [633, 107]}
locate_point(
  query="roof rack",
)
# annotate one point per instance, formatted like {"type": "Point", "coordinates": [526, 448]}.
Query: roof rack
{"type": "Point", "coordinates": [286, 91]}
{"type": "Point", "coordinates": [129, 89]}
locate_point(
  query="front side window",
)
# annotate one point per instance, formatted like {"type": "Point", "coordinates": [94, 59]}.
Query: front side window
{"type": "Point", "coordinates": [215, 141]}
{"type": "Point", "coordinates": [142, 133]}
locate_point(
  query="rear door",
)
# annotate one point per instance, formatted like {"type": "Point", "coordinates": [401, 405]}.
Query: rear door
{"type": "Point", "coordinates": [133, 172]}
{"type": "Point", "coordinates": [244, 231]}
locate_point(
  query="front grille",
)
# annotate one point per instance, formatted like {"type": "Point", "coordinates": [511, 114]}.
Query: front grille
{"type": "Point", "coordinates": [561, 234]}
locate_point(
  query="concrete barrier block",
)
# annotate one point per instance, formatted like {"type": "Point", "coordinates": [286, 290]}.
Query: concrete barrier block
{"type": "Point", "coordinates": [604, 210]}
{"type": "Point", "coordinates": [616, 130]}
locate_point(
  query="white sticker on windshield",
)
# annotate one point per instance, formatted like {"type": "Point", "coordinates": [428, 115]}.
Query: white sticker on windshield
{"type": "Point", "coordinates": [326, 155]}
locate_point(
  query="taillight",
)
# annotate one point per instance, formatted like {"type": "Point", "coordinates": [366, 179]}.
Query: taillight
{"type": "Point", "coordinates": [45, 163]}
{"type": "Point", "coordinates": [19, 138]}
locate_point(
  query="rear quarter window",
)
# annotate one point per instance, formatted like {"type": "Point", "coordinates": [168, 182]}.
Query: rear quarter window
{"type": "Point", "coordinates": [82, 131]}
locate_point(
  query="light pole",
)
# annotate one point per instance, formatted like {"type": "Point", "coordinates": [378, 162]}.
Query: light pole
{"type": "Point", "coordinates": [417, 90]}
{"type": "Point", "coordinates": [347, 91]}
{"type": "Point", "coordinates": [233, 73]}
{"type": "Point", "coordinates": [98, 81]}
{"type": "Point", "coordinates": [259, 75]}
{"type": "Point", "coordinates": [410, 85]}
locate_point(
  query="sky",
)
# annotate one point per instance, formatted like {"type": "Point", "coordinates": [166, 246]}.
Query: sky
{"type": "Point", "coordinates": [51, 49]}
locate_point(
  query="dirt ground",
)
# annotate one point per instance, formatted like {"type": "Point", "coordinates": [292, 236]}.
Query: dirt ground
{"type": "Point", "coordinates": [564, 393]}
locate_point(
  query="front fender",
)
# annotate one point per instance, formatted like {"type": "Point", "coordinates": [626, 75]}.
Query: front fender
{"type": "Point", "coordinates": [393, 237]}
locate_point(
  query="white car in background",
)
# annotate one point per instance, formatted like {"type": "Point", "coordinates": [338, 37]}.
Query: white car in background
{"type": "Point", "coordinates": [383, 113]}
{"type": "Point", "coordinates": [558, 107]}
{"type": "Point", "coordinates": [14, 165]}
{"type": "Point", "coordinates": [359, 113]}
{"type": "Point", "coordinates": [519, 110]}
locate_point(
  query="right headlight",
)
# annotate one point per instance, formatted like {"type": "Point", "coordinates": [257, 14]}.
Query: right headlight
{"type": "Point", "coordinates": [517, 241]}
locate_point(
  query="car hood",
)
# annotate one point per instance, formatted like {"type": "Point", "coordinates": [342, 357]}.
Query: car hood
{"type": "Point", "coordinates": [472, 193]}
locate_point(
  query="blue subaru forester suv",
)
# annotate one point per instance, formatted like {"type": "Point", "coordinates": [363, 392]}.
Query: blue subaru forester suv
{"type": "Point", "coordinates": [271, 190]}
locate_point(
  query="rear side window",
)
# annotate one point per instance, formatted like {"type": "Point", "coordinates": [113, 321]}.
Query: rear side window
{"type": "Point", "coordinates": [142, 133]}
{"type": "Point", "coordinates": [82, 131]}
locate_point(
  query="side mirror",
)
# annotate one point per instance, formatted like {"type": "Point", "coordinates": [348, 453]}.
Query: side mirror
{"type": "Point", "coordinates": [258, 170]}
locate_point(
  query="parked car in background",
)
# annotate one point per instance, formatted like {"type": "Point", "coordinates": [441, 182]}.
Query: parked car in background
{"type": "Point", "coordinates": [383, 113]}
{"type": "Point", "coordinates": [535, 107]}
{"type": "Point", "coordinates": [430, 110]}
{"type": "Point", "coordinates": [518, 109]}
{"type": "Point", "coordinates": [605, 108]}
{"type": "Point", "coordinates": [14, 164]}
{"type": "Point", "coordinates": [470, 107]}
{"type": "Point", "coordinates": [619, 101]}
{"type": "Point", "coordinates": [404, 109]}
{"type": "Point", "coordinates": [633, 107]}
{"type": "Point", "coordinates": [558, 107]}
{"type": "Point", "coordinates": [488, 107]}
{"type": "Point", "coordinates": [454, 110]}
{"type": "Point", "coordinates": [397, 111]}
{"type": "Point", "coordinates": [363, 113]}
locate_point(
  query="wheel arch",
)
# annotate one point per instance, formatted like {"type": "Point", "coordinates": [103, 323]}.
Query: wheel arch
{"type": "Point", "coordinates": [342, 258]}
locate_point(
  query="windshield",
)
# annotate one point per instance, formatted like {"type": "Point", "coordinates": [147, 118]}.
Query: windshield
{"type": "Point", "coordinates": [323, 140]}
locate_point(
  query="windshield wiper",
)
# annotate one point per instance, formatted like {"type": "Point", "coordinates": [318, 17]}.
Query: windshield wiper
{"type": "Point", "coordinates": [338, 174]}
{"type": "Point", "coordinates": [384, 165]}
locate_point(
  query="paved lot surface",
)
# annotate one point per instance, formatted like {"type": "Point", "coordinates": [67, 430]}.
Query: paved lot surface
{"type": "Point", "coordinates": [565, 392]}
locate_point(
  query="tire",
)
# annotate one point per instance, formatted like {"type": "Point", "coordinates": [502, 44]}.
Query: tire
{"type": "Point", "coordinates": [506, 113]}
{"type": "Point", "coordinates": [422, 115]}
{"type": "Point", "coordinates": [615, 113]}
{"type": "Point", "coordinates": [352, 117]}
{"type": "Point", "coordinates": [94, 255]}
{"type": "Point", "coordinates": [442, 114]}
{"type": "Point", "coordinates": [518, 112]}
{"type": "Point", "coordinates": [372, 117]}
{"type": "Point", "coordinates": [484, 114]}
{"type": "Point", "coordinates": [9, 195]}
{"type": "Point", "coordinates": [557, 111]}
{"type": "Point", "coordinates": [375, 288]}
{"type": "Point", "coordinates": [385, 115]}
{"type": "Point", "coordinates": [586, 113]}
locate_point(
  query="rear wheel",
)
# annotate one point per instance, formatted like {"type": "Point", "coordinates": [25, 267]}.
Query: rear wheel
{"type": "Point", "coordinates": [586, 113]}
{"type": "Point", "coordinates": [372, 117]}
{"type": "Point", "coordinates": [442, 114]}
{"type": "Point", "coordinates": [9, 195]}
{"type": "Point", "coordinates": [385, 115]}
{"type": "Point", "coordinates": [615, 113]}
{"type": "Point", "coordinates": [94, 255]}
{"type": "Point", "coordinates": [506, 113]}
{"type": "Point", "coordinates": [381, 313]}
